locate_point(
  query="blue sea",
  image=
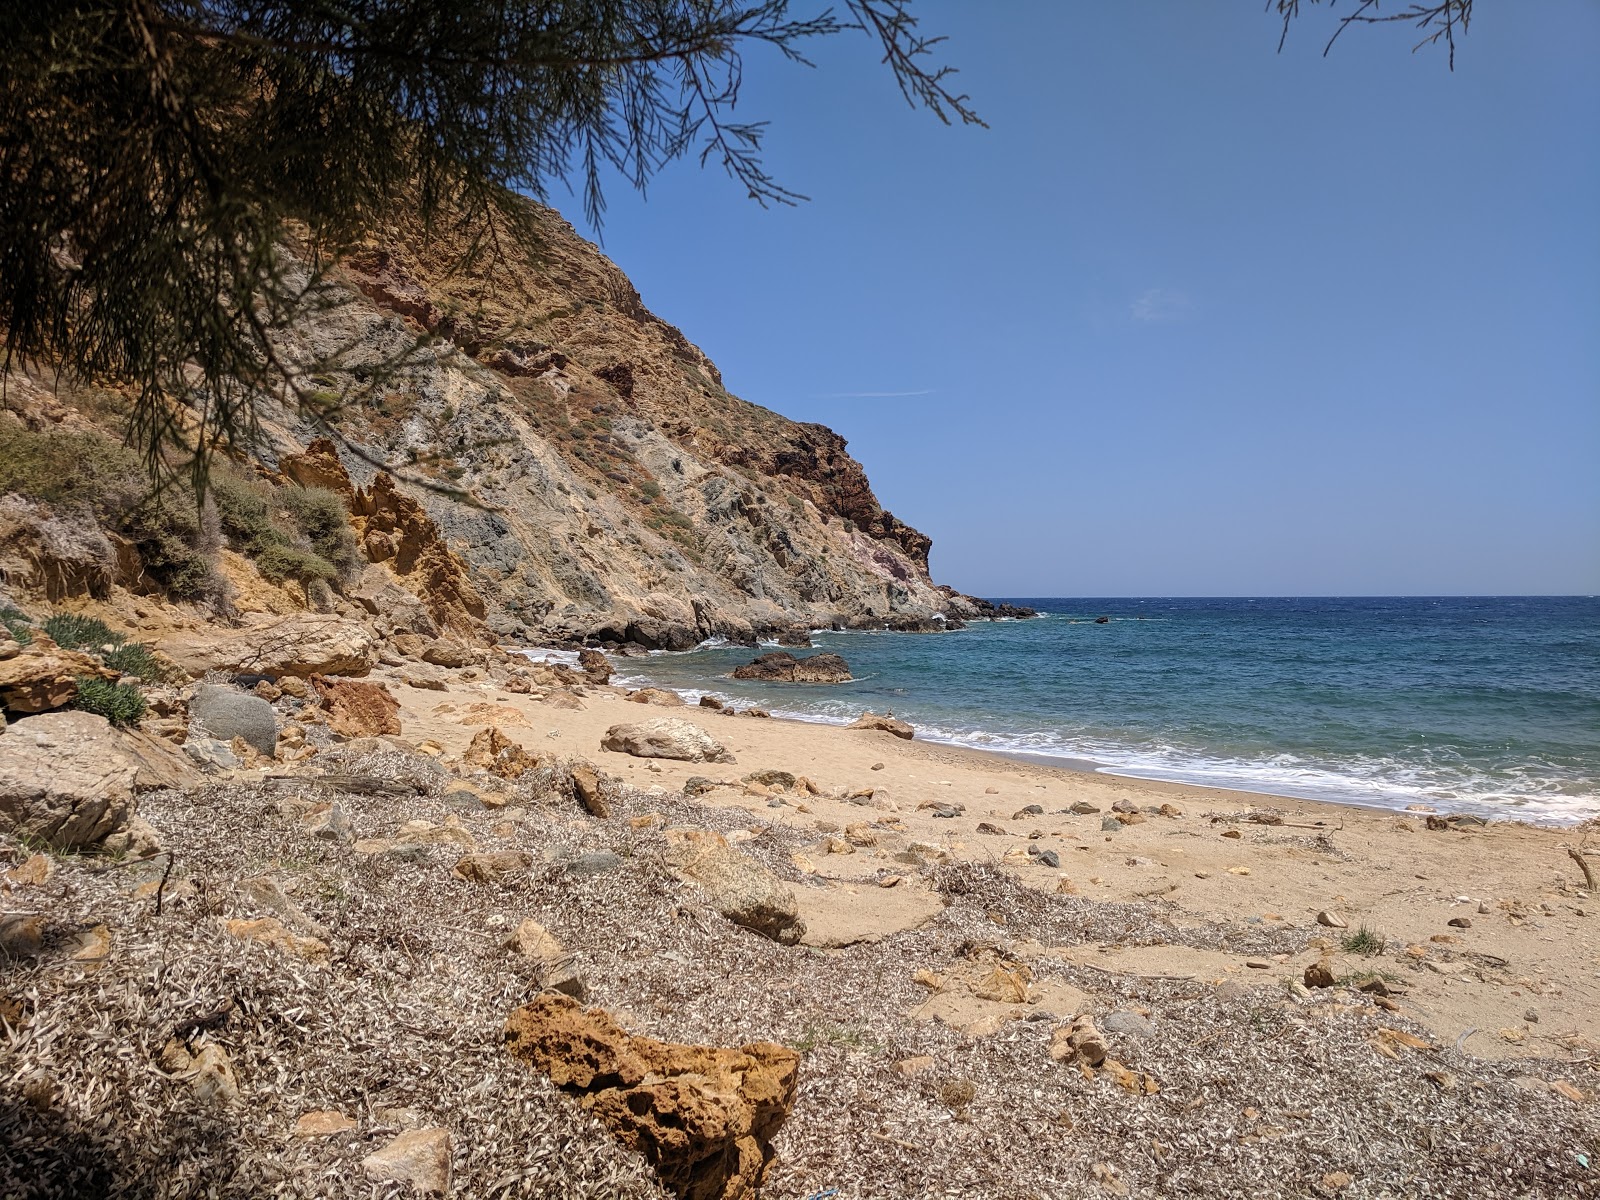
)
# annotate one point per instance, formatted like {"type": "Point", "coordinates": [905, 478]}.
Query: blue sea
{"type": "Point", "coordinates": [1481, 705]}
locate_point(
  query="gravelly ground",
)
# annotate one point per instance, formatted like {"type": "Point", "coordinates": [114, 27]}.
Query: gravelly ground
{"type": "Point", "coordinates": [1259, 1095]}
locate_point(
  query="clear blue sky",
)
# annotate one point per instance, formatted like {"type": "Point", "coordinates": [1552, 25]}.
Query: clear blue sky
{"type": "Point", "coordinates": [1191, 317]}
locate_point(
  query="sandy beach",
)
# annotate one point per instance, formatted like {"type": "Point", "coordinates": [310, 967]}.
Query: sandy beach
{"type": "Point", "coordinates": [1487, 929]}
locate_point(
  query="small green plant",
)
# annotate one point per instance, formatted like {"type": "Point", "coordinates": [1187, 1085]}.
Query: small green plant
{"type": "Point", "coordinates": [1363, 941]}
{"type": "Point", "coordinates": [17, 625]}
{"type": "Point", "coordinates": [134, 658]}
{"type": "Point", "coordinates": [71, 631]}
{"type": "Point", "coordinates": [314, 542]}
{"type": "Point", "coordinates": [829, 1033]}
{"type": "Point", "coordinates": [119, 703]}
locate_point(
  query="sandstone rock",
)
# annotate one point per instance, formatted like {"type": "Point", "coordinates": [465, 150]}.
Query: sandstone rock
{"type": "Point", "coordinates": [138, 839]}
{"type": "Point", "coordinates": [1079, 1041]}
{"type": "Point", "coordinates": [358, 709]}
{"type": "Point", "coordinates": [740, 888]}
{"type": "Point", "coordinates": [20, 936]}
{"type": "Point", "coordinates": [1319, 975]}
{"type": "Point", "coordinates": [666, 737]}
{"type": "Point", "coordinates": [587, 783]}
{"type": "Point", "coordinates": [657, 696]}
{"type": "Point", "coordinates": [783, 667]}
{"type": "Point", "coordinates": [887, 724]}
{"type": "Point", "coordinates": [703, 1116]}
{"type": "Point", "coordinates": [66, 779]}
{"type": "Point", "coordinates": [447, 652]}
{"type": "Point", "coordinates": [713, 703]}
{"type": "Point", "coordinates": [420, 1157]}
{"type": "Point", "coordinates": [323, 1124]}
{"type": "Point", "coordinates": [300, 644]}
{"type": "Point", "coordinates": [1331, 920]}
{"type": "Point", "coordinates": [226, 713]}
{"type": "Point", "coordinates": [398, 532]}
{"type": "Point", "coordinates": [209, 1073]}
{"type": "Point", "coordinates": [41, 676]}
{"type": "Point", "coordinates": [490, 866]}
{"type": "Point", "coordinates": [498, 754]}
{"type": "Point", "coordinates": [269, 931]}
{"type": "Point", "coordinates": [596, 667]}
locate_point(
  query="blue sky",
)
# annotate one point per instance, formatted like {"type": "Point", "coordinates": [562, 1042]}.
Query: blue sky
{"type": "Point", "coordinates": [1192, 317]}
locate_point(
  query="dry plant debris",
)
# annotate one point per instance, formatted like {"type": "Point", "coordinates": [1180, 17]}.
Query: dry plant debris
{"type": "Point", "coordinates": [185, 1062]}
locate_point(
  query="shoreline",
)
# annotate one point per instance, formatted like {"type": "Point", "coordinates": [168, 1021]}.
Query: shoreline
{"type": "Point", "coordinates": [1212, 858]}
{"type": "Point", "coordinates": [1088, 766]}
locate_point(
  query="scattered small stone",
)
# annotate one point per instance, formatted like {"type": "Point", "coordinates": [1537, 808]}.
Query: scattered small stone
{"type": "Point", "coordinates": [877, 766]}
{"type": "Point", "coordinates": [323, 1124]}
{"type": "Point", "coordinates": [990, 827]}
{"type": "Point", "coordinates": [595, 862]}
{"type": "Point", "coordinates": [1029, 810]}
{"type": "Point", "coordinates": [1128, 1023]}
{"type": "Point", "coordinates": [1049, 858]}
{"type": "Point", "coordinates": [1332, 920]}
{"type": "Point", "coordinates": [1084, 809]}
{"type": "Point", "coordinates": [420, 1157]}
{"type": "Point", "coordinates": [1232, 833]}
{"type": "Point", "coordinates": [1109, 824]}
{"type": "Point", "coordinates": [915, 1065]}
{"type": "Point", "coordinates": [1460, 922]}
{"type": "Point", "coordinates": [1256, 964]}
{"type": "Point", "coordinates": [1319, 975]}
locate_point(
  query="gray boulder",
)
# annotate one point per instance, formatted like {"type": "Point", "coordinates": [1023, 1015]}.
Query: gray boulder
{"type": "Point", "coordinates": [226, 713]}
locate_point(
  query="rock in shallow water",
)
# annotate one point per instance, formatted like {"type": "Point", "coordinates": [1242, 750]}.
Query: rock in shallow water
{"type": "Point", "coordinates": [782, 667]}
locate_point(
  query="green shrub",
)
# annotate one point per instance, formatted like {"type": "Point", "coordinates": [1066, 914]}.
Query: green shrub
{"type": "Point", "coordinates": [284, 561]}
{"type": "Point", "coordinates": [245, 512]}
{"type": "Point", "coordinates": [16, 624]}
{"type": "Point", "coordinates": [93, 474]}
{"type": "Point", "coordinates": [324, 521]}
{"type": "Point", "coordinates": [134, 658]}
{"type": "Point", "coordinates": [119, 703]}
{"type": "Point", "coordinates": [71, 631]}
{"type": "Point", "coordinates": [311, 541]}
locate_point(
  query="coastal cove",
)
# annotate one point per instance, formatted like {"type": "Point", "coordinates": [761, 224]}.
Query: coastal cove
{"type": "Point", "coordinates": [1487, 706]}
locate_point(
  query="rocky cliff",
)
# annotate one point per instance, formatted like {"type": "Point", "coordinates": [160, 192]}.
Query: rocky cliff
{"type": "Point", "coordinates": [573, 468]}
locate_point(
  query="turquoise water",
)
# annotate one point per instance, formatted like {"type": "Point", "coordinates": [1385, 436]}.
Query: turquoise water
{"type": "Point", "coordinates": [1482, 705]}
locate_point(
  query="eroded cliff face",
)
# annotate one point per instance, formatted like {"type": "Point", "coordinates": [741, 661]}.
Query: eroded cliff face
{"type": "Point", "coordinates": [568, 468]}
{"type": "Point", "coordinates": [618, 491]}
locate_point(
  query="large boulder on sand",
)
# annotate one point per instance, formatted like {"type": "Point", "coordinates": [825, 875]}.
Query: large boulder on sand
{"type": "Point", "coordinates": [666, 737]}
{"type": "Point", "coordinates": [226, 713]}
{"type": "Point", "coordinates": [782, 667]}
{"type": "Point", "coordinates": [302, 644]}
{"type": "Point", "coordinates": [884, 724]}
{"type": "Point", "coordinates": [702, 1116]}
{"type": "Point", "coordinates": [66, 779]}
{"type": "Point", "coordinates": [741, 889]}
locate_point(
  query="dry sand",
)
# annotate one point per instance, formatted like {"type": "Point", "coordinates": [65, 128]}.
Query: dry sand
{"type": "Point", "coordinates": [925, 1010]}
{"type": "Point", "coordinates": [1524, 976]}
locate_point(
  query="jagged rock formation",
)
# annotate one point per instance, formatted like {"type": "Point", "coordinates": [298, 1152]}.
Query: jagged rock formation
{"type": "Point", "coordinates": [623, 495]}
{"type": "Point", "coordinates": [571, 471]}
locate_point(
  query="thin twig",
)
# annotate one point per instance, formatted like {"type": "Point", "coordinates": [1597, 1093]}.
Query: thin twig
{"type": "Point", "coordinates": [1583, 865]}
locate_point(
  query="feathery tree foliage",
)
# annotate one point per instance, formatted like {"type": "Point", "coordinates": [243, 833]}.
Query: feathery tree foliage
{"type": "Point", "coordinates": [156, 156]}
